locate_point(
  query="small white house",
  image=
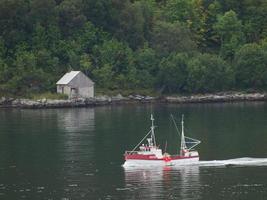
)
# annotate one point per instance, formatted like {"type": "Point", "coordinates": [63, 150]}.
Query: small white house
{"type": "Point", "coordinates": [76, 84]}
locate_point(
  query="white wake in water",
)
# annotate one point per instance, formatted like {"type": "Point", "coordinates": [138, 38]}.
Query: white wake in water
{"type": "Point", "coordinates": [247, 161]}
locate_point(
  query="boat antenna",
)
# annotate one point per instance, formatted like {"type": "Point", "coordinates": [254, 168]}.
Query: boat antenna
{"type": "Point", "coordinates": [193, 142]}
{"type": "Point", "coordinates": [152, 130]}
{"type": "Point", "coordinates": [166, 144]}
{"type": "Point", "coordinates": [183, 144]}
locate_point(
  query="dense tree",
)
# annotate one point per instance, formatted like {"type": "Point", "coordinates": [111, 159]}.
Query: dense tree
{"type": "Point", "coordinates": [212, 38]}
{"type": "Point", "coordinates": [43, 12]}
{"type": "Point", "coordinates": [135, 24]}
{"type": "Point", "coordinates": [189, 13]}
{"type": "Point", "coordinates": [4, 74]}
{"type": "Point", "coordinates": [168, 38]}
{"type": "Point", "coordinates": [39, 39]}
{"type": "Point", "coordinates": [255, 19]}
{"type": "Point", "coordinates": [2, 48]}
{"type": "Point", "coordinates": [209, 73]}
{"type": "Point", "coordinates": [86, 64]}
{"type": "Point", "coordinates": [146, 64]}
{"type": "Point", "coordinates": [105, 76]}
{"type": "Point", "coordinates": [119, 57]}
{"type": "Point", "coordinates": [146, 59]}
{"type": "Point", "coordinates": [13, 21]}
{"type": "Point", "coordinates": [229, 28]}
{"type": "Point", "coordinates": [131, 25]}
{"type": "Point", "coordinates": [173, 73]}
{"type": "Point", "coordinates": [174, 45]}
{"type": "Point", "coordinates": [251, 66]}
{"type": "Point", "coordinates": [88, 36]}
{"type": "Point", "coordinates": [100, 12]}
{"type": "Point", "coordinates": [70, 16]}
{"type": "Point", "coordinates": [30, 77]}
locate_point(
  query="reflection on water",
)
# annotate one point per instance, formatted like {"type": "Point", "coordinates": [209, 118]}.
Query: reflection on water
{"type": "Point", "coordinates": [77, 153]}
{"type": "Point", "coordinates": [46, 154]}
{"type": "Point", "coordinates": [76, 120]}
{"type": "Point", "coordinates": [78, 127]}
{"type": "Point", "coordinates": [158, 182]}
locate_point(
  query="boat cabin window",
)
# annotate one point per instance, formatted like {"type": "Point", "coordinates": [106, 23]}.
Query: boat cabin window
{"type": "Point", "coordinates": [142, 148]}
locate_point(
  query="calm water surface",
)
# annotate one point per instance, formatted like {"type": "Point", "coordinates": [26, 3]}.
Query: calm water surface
{"type": "Point", "coordinates": [77, 153]}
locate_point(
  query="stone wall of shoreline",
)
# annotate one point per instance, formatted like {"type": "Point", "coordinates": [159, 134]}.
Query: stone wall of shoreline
{"type": "Point", "coordinates": [218, 98]}
{"type": "Point", "coordinates": [106, 100]}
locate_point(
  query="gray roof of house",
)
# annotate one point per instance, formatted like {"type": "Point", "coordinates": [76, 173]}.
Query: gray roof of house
{"type": "Point", "coordinates": [67, 77]}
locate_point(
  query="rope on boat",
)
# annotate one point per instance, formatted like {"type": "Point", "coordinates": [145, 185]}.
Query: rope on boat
{"type": "Point", "coordinates": [193, 141]}
{"type": "Point", "coordinates": [175, 125]}
{"type": "Point", "coordinates": [140, 142]}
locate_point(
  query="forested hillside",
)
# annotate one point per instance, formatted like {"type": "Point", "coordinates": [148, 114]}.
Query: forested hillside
{"type": "Point", "coordinates": [172, 46]}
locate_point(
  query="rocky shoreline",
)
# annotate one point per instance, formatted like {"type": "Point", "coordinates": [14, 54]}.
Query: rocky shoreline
{"type": "Point", "coordinates": [119, 99]}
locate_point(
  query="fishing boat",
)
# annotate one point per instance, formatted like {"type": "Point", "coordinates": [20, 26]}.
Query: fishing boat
{"type": "Point", "coordinates": [149, 153]}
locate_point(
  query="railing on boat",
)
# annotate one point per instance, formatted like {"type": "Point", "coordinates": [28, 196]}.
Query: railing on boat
{"type": "Point", "coordinates": [130, 152]}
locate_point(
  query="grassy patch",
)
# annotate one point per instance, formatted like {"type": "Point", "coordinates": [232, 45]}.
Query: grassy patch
{"type": "Point", "coordinates": [47, 95]}
{"type": "Point", "coordinates": [144, 92]}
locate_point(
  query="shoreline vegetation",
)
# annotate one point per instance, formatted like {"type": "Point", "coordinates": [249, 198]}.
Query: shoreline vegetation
{"type": "Point", "coordinates": [173, 47]}
{"type": "Point", "coordinates": [10, 102]}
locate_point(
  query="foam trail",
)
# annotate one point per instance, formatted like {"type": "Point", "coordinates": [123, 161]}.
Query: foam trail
{"type": "Point", "coordinates": [246, 161]}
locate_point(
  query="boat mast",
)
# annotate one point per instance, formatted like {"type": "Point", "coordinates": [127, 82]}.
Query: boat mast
{"type": "Point", "coordinates": [183, 144]}
{"type": "Point", "coordinates": [153, 138]}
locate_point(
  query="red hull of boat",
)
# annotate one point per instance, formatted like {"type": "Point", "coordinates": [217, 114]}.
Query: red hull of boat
{"type": "Point", "coordinates": [153, 157]}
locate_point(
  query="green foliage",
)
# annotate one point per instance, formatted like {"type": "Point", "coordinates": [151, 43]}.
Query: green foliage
{"type": "Point", "coordinates": [146, 63]}
{"type": "Point", "coordinates": [70, 15]}
{"type": "Point", "coordinates": [114, 53]}
{"type": "Point", "coordinates": [43, 12]}
{"type": "Point", "coordinates": [209, 73]}
{"type": "Point", "coordinates": [115, 60]}
{"type": "Point", "coordinates": [13, 21]}
{"type": "Point", "coordinates": [86, 64]}
{"type": "Point", "coordinates": [146, 59]}
{"type": "Point", "coordinates": [251, 66]}
{"type": "Point", "coordinates": [171, 37]}
{"type": "Point", "coordinates": [173, 73]}
{"type": "Point", "coordinates": [171, 46]}
{"type": "Point", "coordinates": [88, 36]}
{"type": "Point", "coordinates": [212, 39]}
{"type": "Point", "coordinates": [2, 48]}
{"type": "Point", "coordinates": [135, 22]}
{"type": "Point", "coordinates": [39, 40]}
{"type": "Point", "coordinates": [30, 76]}
{"type": "Point", "coordinates": [189, 13]}
{"type": "Point", "coordinates": [46, 95]}
{"type": "Point", "coordinates": [104, 76]}
{"type": "Point", "coordinates": [253, 15]}
{"type": "Point", "coordinates": [229, 28]}
{"type": "Point", "coordinates": [4, 72]}
{"type": "Point", "coordinates": [100, 12]}
{"type": "Point", "coordinates": [132, 25]}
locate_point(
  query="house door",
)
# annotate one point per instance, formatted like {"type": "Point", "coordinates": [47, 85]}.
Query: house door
{"type": "Point", "coordinates": [74, 92]}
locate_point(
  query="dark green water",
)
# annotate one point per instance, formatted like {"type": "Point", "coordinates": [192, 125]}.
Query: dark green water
{"type": "Point", "coordinates": [77, 153]}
